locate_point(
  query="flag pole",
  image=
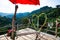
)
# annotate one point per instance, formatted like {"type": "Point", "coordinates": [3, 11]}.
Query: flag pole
{"type": "Point", "coordinates": [13, 22]}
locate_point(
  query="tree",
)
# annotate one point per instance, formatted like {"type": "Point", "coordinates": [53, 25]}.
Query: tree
{"type": "Point", "coordinates": [24, 20]}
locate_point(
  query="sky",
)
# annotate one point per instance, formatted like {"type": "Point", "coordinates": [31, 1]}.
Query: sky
{"type": "Point", "coordinates": [7, 7]}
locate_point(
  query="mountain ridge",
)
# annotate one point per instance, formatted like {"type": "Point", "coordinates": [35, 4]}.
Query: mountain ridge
{"type": "Point", "coordinates": [21, 15]}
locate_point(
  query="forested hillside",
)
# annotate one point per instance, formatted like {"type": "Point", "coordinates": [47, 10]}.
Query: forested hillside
{"type": "Point", "coordinates": [52, 14]}
{"type": "Point", "coordinates": [4, 21]}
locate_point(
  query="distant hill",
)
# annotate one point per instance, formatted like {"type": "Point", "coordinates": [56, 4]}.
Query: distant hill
{"type": "Point", "coordinates": [41, 10]}
{"type": "Point", "coordinates": [20, 15]}
{"type": "Point", "coordinates": [45, 8]}
{"type": "Point", "coordinates": [3, 14]}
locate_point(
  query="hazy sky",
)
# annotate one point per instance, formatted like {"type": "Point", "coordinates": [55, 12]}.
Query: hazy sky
{"type": "Point", "coordinates": [7, 7]}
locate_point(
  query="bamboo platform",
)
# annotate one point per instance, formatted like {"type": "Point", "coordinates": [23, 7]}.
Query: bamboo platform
{"type": "Point", "coordinates": [29, 34]}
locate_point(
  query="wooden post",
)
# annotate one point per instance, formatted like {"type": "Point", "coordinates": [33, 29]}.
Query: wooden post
{"type": "Point", "coordinates": [56, 27]}
{"type": "Point", "coordinates": [29, 23]}
{"type": "Point", "coordinates": [13, 22]}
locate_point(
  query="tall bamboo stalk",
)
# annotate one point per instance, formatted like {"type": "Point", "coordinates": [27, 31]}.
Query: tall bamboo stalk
{"type": "Point", "coordinates": [13, 22]}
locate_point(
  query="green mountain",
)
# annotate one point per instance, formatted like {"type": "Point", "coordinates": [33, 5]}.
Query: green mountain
{"type": "Point", "coordinates": [51, 13]}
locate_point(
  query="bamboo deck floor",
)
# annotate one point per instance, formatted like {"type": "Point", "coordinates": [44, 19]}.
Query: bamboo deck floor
{"type": "Point", "coordinates": [44, 36]}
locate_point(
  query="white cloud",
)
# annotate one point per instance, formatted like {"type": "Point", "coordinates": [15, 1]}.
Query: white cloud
{"type": "Point", "coordinates": [6, 6]}
{"type": "Point", "coordinates": [51, 3]}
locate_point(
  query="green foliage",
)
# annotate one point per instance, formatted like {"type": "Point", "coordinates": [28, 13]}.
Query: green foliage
{"type": "Point", "coordinates": [3, 30]}
{"type": "Point", "coordinates": [54, 13]}
{"type": "Point", "coordinates": [24, 20]}
{"type": "Point", "coordinates": [4, 21]}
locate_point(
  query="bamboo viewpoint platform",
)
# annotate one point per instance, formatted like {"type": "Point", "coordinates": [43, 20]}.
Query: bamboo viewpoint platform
{"type": "Point", "coordinates": [29, 34]}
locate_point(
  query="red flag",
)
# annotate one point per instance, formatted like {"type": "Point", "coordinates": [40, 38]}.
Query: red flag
{"type": "Point", "coordinates": [33, 2]}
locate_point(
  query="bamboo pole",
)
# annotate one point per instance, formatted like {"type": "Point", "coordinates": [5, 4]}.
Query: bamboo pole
{"type": "Point", "coordinates": [56, 28]}
{"type": "Point", "coordinates": [13, 22]}
{"type": "Point", "coordinates": [37, 22]}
